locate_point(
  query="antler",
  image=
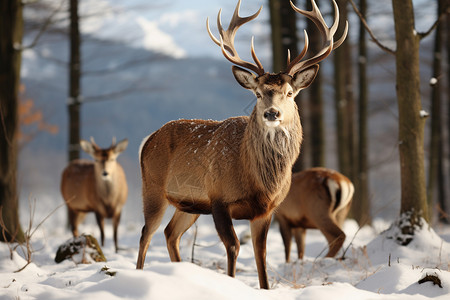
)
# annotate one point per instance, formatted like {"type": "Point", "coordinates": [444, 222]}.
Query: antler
{"type": "Point", "coordinates": [327, 33]}
{"type": "Point", "coordinates": [226, 41]}
{"type": "Point", "coordinates": [94, 144]}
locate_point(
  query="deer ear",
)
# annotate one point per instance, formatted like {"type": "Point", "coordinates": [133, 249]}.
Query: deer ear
{"type": "Point", "coordinates": [87, 147]}
{"type": "Point", "coordinates": [302, 79]}
{"type": "Point", "coordinates": [244, 78]}
{"type": "Point", "coordinates": [121, 146]}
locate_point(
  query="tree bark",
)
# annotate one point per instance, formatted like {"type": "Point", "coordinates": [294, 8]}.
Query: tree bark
{"type": "Point", "coordinates": [361, 208]}
{"type": "Point", "coordinates": [447, 211]}
{"type": "Point", "coordinates": [74, 83]}
{"type": "Point", "coordinates": [435, 153]}
{"type": "Point", "coordinates": [316, 115]}
{"type": "Point", "coordinates": [343, 101]}
{"type": "Point", "coordinates": [11, 32]}
{"type": "Point", "coordinates": [411, 122]}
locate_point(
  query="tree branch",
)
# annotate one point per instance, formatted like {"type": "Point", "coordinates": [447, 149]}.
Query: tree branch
{"type": "Point", "coordinates": [444, 13]}
{"type": "Point", "coordinates": [366, 26]}
{"type": "Point", "coordinates": [44, 27]}
{"type": "Point", "coordinates": [117, 94]}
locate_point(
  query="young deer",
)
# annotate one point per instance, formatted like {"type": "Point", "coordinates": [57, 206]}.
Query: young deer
{"type": "Point", "coordinates": [318, 198]}
{"type": "Point", "coordinates": [98, 186]}
{"type": "Point", "coordinates": [239, 168]}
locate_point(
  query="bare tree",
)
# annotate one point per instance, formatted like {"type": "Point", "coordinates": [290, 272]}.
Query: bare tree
{"type": "Point", "coordinates": [344, 102]}
{"type": "Point", "coordinates": [361, 208]}
{"type": "Point", "coordinates": [412, 118]}
{"type": "Point", "coordinates": [11, 32]}
{"type": "Point", "coordinates": [436, 155]}
{"type": "Point", "coordinates": [411, 122]}
{"type": "Point", "coordinates": [316, 110]}
{"type": "Point", "coordinates": [74, 106]}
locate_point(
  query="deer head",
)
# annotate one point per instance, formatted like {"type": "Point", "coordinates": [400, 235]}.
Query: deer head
{"type": "Point", "coordinates": [105, 159]}
{"type": "Point", "coordinates": [275, 93]}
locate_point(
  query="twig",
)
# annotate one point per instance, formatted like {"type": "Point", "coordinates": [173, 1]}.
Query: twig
{"type": "Point", "coordinates": [193, 243]}
{"type": "Point", "coordinates": [366, 26]}
{"type": "Point", "coordinates": [30, 232]}
{"type": "Point", "coordinates": [44, 27]}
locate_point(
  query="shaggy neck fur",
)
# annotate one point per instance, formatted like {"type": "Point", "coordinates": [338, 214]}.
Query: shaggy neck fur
{"type": "Point", "coordinates": [270, 152]}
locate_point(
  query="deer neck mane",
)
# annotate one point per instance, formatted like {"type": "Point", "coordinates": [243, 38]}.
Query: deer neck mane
{"type": "Point", "coordinates": [269, 153]}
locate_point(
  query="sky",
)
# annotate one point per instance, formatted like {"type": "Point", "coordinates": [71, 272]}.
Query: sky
{"type": "Point", "coordinates": [178, 27]}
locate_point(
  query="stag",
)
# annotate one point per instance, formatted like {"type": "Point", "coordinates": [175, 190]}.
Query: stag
{"type": "Point", "coordinates": [98, 186]}
{"type": "Point", "coordinates": [318, 198]}
{"type": "Point", "coordinates": [238, 168]}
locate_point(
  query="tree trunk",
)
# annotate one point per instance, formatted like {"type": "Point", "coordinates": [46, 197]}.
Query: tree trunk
{"type": "Point", "coordinates": [284, 38]}
{"type": "Point", "coordinates": [317, 127]}
{"type": "Point", "coordinates": [444, 203]}
{"type": "Point", "coordinates": [74, 83]}
{"type": "Point", "coordinates": [435, 174]}
{"type": "Point", "coordinates": [411, 123]}
{"type": "Point", "coordinates": [11, 32]}
{"type": "Point", "coordinates": [361, 208]}
{"type": "Point", "coordinates": [343, 104]}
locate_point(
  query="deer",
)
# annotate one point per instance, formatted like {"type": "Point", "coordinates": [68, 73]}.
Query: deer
{"type": "Point", "coordinates": [98, 186]}
{"type": "Point", "coordinates": [319, 198]}
{"type": "Point", "coordinates": [238, 168]}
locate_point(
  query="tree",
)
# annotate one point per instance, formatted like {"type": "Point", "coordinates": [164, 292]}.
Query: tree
{"type": "Point", "coordinates": [436, 156]}
{"type": "Point", "coordinates": [361, 208]}
{"type": "Point", "coordinates": [11, 32]}
{"type": "Point", "coordinates": [284, 39]}
{"type": "Point", "coordinates": [411, 122]}
{"type": "Point", "coordinates": [413, 207]}
{"type": "Point", "coordinates": [344, 100]}
{"type": "Point", "coordinates": [74, 106]}
{"type": "Point", "coordinates": [316, 118]}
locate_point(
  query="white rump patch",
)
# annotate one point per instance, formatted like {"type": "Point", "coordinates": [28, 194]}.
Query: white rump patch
{"type": "Point", "coordinates": [333, 186]}
{"type": "Point", "coordinates": [142, 146]}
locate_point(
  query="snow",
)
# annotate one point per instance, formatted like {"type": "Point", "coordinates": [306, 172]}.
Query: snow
{"type": "Point", "coordinates": [375, 267]}
{"type": "Point", "coordinates": [424, 113]}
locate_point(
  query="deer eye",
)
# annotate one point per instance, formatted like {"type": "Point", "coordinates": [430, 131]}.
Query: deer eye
{"type": "Point", "coordinates": [258, 95]}
{"type": "Point", "coordinates": [289, 94]}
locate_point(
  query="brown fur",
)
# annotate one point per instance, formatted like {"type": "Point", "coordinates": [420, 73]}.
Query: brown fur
{"type": "Point", "coordinates": [239, 168]}
{"type": "Point", "coordinates": [85, 188]}
{"type": "Point", "coordinates": [318, 198]}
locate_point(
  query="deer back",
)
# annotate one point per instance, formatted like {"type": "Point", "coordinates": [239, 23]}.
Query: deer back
{"type": "Point", "coordinates": [316, 193]}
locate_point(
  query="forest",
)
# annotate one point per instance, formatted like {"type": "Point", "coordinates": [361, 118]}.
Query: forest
{"type": "Point", "coordinates": [377, 112]}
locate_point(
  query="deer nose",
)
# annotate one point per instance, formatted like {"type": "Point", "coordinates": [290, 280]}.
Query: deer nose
{"type": "Point", "coordinates": [105, 173]}
{"type": "Point", "coordinates": [271, 114]}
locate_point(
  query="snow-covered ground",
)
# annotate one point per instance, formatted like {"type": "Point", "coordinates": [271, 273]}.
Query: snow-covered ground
{"type": "Point", "coordinates": [375, 267]}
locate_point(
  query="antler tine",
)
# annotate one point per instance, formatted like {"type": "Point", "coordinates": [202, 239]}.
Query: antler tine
{"type": "Point", "coordinates": [342, 38]}
{"type": "Point", "coordinates": [94, 144]}
{"type": "Point", "coordinates": [226, 41]}
{"type": "Point", "coordinates": [301, 55]}
{"type": "Point", "coordinates": [327, 32]}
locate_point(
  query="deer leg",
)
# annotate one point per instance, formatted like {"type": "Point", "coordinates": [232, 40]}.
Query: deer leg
{"type": "Point", "coordinates": [101, 225]}
{"type": "Point", "coordinates": [116, 221]}
{"type": "Point", "coordinates": [334, 235]}
{"type": "Point", "coordinates": [177, 226]}
{"type": "Point", "coordinates": [154, 208]}
{"type": "Point", "coordinates": [286, 235]}
{"type": "Point", "coordinates": [75, 218]}
{"type": "Point", "coordinates": [299, 235]}
{"type": "Point", "coordinates": [259, 228]}
{"type": "Point", "coordinates": [224, 227]}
